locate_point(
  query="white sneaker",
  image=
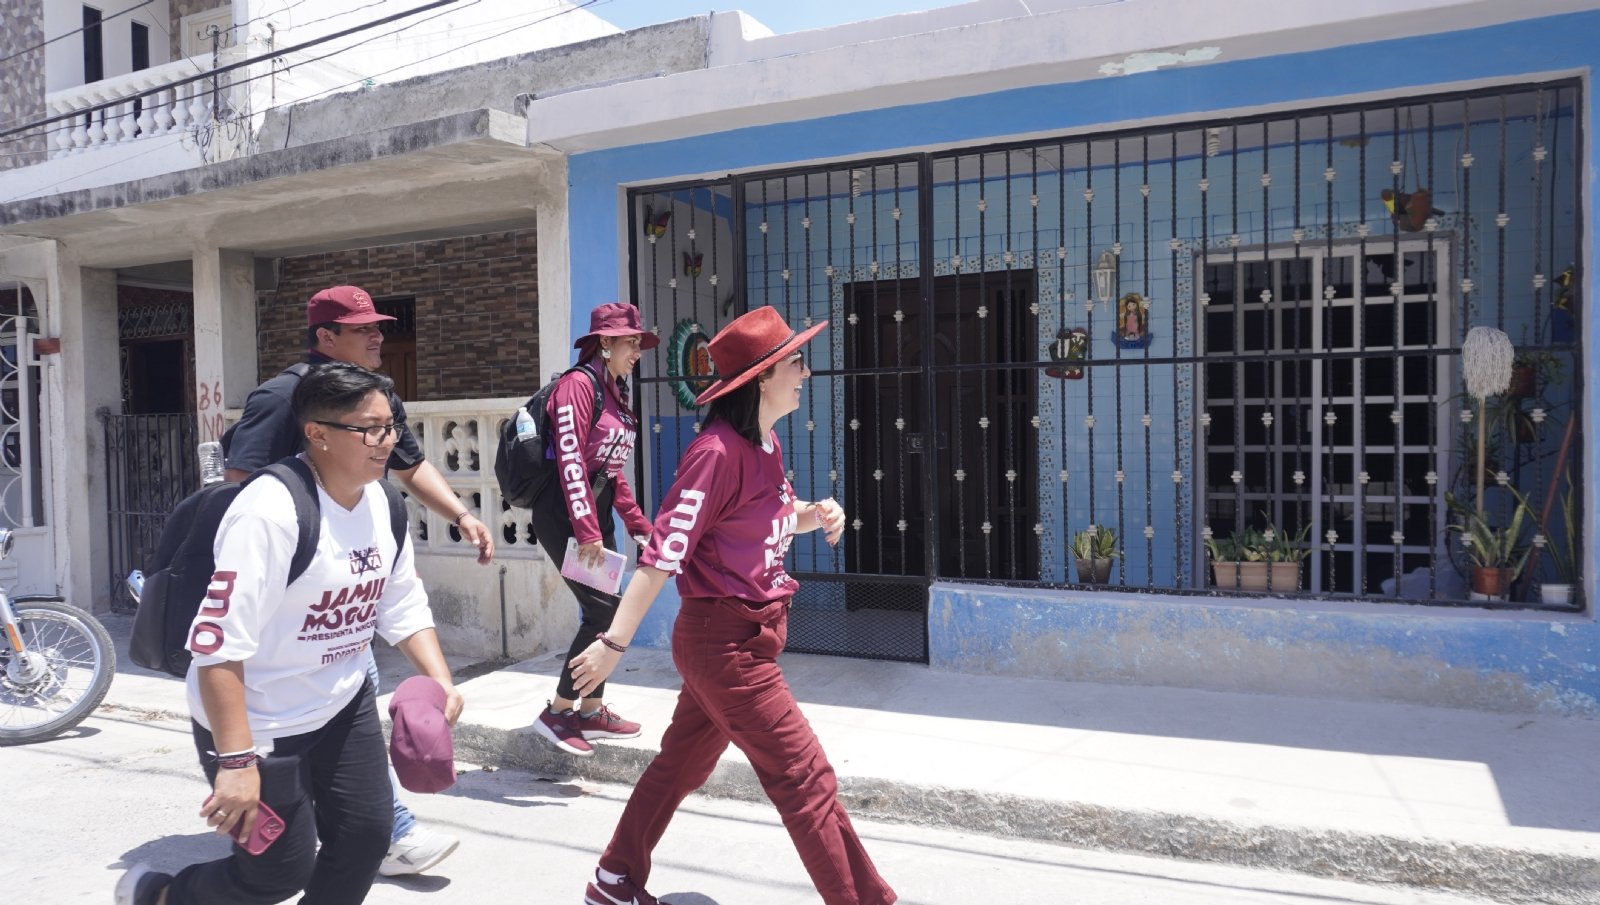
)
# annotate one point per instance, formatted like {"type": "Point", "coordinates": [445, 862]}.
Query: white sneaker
{"type": "Point", "coordinates": [416, 852]}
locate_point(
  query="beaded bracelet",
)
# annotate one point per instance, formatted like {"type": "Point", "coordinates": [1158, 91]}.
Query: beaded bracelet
{"type": "Point", "coordinates": [237, 760]}
{"type": "Point", "coordinates": [619, 648]}
{"type": "Point", "coordinates": [457, 520]}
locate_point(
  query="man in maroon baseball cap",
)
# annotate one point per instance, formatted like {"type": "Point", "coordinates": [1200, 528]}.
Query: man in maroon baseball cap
{"type": "Point", "coordinates": [344, 325]}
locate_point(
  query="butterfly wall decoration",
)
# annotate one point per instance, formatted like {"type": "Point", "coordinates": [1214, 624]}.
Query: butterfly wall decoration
{"type": "Point", "coordinates": [655, 222]}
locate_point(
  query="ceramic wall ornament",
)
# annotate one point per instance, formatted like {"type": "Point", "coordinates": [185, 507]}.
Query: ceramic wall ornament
{"type": "Point", "coordinates": [1071, 345]}
{"type": "Point", "coordinates": [1561, 312]}
{"type": "Point", "coordinates": [1409, 210]}
{"type": "Point", "coordinates": [655, 222]}
{"type": "Point", "coordinates": [689, 362]}
{"type": "Point", "coordinates": [1133, 322]}
{"type": "Point", "coordinates": [692, 261]}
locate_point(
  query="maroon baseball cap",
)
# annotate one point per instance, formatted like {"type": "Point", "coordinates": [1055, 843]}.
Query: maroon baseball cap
{"type": "Point", "coordinates": [343, 305]}
{"type": "Point", "coordinates": [420, 747]}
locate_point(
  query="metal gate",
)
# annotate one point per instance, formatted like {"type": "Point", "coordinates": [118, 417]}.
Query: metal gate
{"type": "Point", "coordinates": [151, 465]}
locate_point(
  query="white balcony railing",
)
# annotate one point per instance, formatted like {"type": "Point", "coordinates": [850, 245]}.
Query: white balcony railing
{"type": "Point", "coordinates": [459, 438]}
{"type": "Point", "coordinates": [157, 109]}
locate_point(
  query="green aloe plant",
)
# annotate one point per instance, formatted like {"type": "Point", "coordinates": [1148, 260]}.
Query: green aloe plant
{"type": "Point", "coordinates": [1095, 542]}
{"type": "Point", "coordinates": [1487, 546]}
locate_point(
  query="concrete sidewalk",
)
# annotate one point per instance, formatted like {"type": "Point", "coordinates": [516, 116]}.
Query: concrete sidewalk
{"type": "Point", "coordinates": [1493, 805]}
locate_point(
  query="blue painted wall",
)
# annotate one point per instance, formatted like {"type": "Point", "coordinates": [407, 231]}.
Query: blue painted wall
{"type": "Point", "coordinates": [972, 633]}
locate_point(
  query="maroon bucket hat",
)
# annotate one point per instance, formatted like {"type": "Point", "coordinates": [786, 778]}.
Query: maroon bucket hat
{"type": "Point", "coordinates": [618, 319]}
{"type": "Point", "coordinates": [420, 747]}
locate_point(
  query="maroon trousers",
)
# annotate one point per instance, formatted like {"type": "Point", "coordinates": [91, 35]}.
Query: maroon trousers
{"type": "Point", "coordinates": [734, 691]}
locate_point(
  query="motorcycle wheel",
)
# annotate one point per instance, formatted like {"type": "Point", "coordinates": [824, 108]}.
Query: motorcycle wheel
{"type": "Point", "coordinates": [62, 678]}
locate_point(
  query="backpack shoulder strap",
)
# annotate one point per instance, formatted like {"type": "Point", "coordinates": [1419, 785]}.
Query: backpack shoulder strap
{"type": "Point", "coordinates": [399, 518]}
{"type": "Point", "coordinates": [599, 391]}
{"type": "Point", "coordinates": [296, 475]}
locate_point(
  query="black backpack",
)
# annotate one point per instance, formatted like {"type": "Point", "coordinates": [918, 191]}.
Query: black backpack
{"type": "Point", "coordinates": [179, 574]}
{"type": "Point", "coordinates": [521, 466]}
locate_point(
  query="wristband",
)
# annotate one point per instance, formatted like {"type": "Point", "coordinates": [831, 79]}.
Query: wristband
{"type": "Point", "coordinates": [457, 520]}
{"type": "Point", "coordinates": [238, 760]}
{"type": "Point", "coordinates": [619, 648]}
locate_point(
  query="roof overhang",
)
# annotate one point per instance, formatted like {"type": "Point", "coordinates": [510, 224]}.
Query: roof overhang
{"type": "Point", "coordinates": [468, 171]}
{"type": "Point", "coordinates": [1062, 46]}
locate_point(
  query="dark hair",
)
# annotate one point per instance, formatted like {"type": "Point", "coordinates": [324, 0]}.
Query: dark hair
{"type": "Point", "coordinates": [331, 390]}
{"type": "Point", "coordinates": [741, 409]}
{"type": "Point", "coordinates": [311, 333]}
{"type": "Point", "coordinates": [588, 347]}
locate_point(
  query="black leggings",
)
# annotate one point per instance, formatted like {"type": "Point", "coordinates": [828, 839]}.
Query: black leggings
{"type": "Point", "coordinates": [330, 784]}
{"type": "Point", "coordinates": [552, 527]}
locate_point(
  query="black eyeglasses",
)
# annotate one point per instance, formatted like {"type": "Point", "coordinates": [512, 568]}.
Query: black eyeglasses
{"type": "Point", "coordinates": [372, 436]}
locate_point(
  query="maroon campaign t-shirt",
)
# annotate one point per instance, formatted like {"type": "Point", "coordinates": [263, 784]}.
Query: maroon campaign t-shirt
{"type": "Point", "coordinates": [581, 452]}
{"type": "Point", "coordinates": [727, 522]}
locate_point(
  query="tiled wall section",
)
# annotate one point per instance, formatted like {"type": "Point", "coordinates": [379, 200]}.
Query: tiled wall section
{"type": "Point", "coordinates": [477, 309]}
{"type": "Point", "coordinates": [181, 8]}
{"type": "Point", "coordinates": [22, 78]}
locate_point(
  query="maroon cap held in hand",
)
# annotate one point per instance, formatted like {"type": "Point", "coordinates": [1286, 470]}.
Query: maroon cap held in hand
{"type": "Point", "coordinates": [420, 747]}
{"type": "Point", "coordinates": [343, 305]}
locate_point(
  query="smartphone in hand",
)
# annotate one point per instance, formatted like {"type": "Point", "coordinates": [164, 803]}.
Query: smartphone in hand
{"type": "Point", "coordinates": [269, 826]}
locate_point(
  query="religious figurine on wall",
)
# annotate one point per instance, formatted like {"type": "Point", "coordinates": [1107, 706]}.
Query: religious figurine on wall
{"type": "Point", "coordinates": [1133, 322]}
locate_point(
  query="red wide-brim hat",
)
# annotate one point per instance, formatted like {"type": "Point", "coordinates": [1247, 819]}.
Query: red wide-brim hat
{"type": "Point", "coordinates": [748, 345]}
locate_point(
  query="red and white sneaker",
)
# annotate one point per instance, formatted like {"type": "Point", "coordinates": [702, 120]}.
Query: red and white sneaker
{"type": "Point", "coordinates": [604, 723]}
{"type": "Point", "coordinates": [622, 892]}
{"type": "Point", "coordinates": [562, 730]}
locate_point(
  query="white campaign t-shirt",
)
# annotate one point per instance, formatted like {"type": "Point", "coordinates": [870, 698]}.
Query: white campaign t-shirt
{"type": "Point", "coordinates": [304, 647]}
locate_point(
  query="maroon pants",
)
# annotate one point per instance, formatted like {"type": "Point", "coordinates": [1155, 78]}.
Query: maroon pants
{"type": "Point", "coordinates": [734, 691]}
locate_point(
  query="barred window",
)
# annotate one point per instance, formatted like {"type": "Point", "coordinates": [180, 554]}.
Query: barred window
{"type": "Point", "coordinates": [1161, 359]}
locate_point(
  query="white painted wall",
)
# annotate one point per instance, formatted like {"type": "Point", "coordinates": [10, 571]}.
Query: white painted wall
{"type": "Point", "coordinates": [453, 36]}
{"type": "Point", "coordinates": [63, 60]}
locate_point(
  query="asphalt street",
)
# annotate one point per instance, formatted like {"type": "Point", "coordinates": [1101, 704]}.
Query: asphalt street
{"type": "Point", "coordinates": [125, 787]}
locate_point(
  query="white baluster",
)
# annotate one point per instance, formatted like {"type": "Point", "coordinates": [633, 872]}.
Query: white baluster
{"type": "Point", "coordinates": [162, 112]}
{"type": "Point", "coordinates": [147, 111]}
{"type": "Point", "coordinates": [111, 121]}
{"type": "Point", "coordinates": [128, 122]}
{"type": "Point", "coordinates": [97, 126]}
{"type": "Point", "coordinates": [61, 135]}
{"type": "Point", "coordinates": [200, 104]}
{"type": "Point", "coordinates": [180, 107]}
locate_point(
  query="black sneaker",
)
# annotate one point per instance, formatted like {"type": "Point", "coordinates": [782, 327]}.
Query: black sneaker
{"type": "Point", "coordinates": [141, 885]}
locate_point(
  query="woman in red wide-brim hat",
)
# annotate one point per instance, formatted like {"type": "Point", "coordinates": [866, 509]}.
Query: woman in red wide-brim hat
{"type": "Point", "coordinates": [723, 530]}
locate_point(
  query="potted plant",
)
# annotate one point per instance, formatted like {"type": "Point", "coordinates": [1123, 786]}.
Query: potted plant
{"type": "Point", "coordinates": [1094, 548]}
{"type": "Point", "coordinates": [1259, 560]}
{"type": "Point", "coordinates": [1562, 548]}
{"type": "Point", "coordinates": [1531, 372]}
{"type": "Point", "coordinates": [1495, 555]}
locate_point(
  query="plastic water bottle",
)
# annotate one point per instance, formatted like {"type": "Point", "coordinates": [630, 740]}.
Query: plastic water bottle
{"type": "Point", "coordinates": [527, 427]}
{"type": "Point", "coordinates": [211, 467]}
{"type": "Point", "coordinates": [136, 585]}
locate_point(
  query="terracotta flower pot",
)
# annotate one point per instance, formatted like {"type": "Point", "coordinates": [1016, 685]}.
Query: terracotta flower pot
{"type": "Point", "coordinates": [1094, 571]}
{"type": "Point", "coordinates": [1523, 383]}
{"type": "Point", "coordinates": [1491, 582]}
{"type": "Point", "coordinates": [1275, 577]}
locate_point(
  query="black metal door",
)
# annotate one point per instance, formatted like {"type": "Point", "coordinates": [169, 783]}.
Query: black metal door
{"type": "Point", "coordinates": [151, 465]}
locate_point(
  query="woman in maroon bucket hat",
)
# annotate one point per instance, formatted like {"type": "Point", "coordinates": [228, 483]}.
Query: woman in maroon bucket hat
{"type": "Point", "coordinates": [724, 529]}
{"type": "Point", "coordinates": [580, 502]}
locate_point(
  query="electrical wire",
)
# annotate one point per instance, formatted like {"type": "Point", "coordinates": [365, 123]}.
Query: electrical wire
{"type": "Point", "coordinates": [67, 116]}
{"type": "Point", "coordinates": [122, 160]}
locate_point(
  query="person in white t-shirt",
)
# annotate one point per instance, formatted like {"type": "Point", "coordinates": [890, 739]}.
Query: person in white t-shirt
{"type": "Point", "coordinates": [283, 712]}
